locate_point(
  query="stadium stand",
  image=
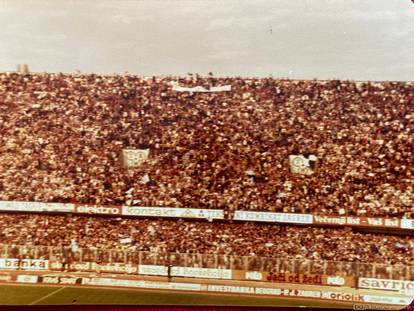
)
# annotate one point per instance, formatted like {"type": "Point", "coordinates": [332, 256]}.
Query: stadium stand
{"type": "Point", "coordinates": [225, 150]}
{"type": "Point", "coordinates": [62, 137]}
{"type": "Point", "coordinates": [170, 236]}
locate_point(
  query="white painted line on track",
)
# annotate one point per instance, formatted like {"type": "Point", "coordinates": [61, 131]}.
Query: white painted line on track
{"type": "Point", "coordinates": [47, 296]}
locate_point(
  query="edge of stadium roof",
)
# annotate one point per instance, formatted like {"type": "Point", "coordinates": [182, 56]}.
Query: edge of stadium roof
{"type": "Point", "coordinates": [206, 76]}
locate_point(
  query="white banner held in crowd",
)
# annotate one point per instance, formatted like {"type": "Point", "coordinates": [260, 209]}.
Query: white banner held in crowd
{"type": "Point", "coordinates": [224, 88]}
{"type": "Point", "coordinates": [134, 157]}
{"type": "Point", "coordinates": [126, 240]}
{"type": "Point", "coordinates": [302, 165]}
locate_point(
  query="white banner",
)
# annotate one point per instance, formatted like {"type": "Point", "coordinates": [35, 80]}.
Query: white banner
{"type": "Point", "coordinates": [78, 266]}
{"type": "Point", "coordinates": [172, 212]}
{"type": "Point", "coordinates": [27, 278]}
{"type": "Point", "coordinates": [224, 88]}
{"type": "Point", "coordinates": [19, 206]}
{"type": "Point", "coordinates": [24, 264]}
{"type": "Point", "coordinates": [335, 280]}
{"type": "Point", "coordinates": [387, 300]}
{"type": "Point", "coordinates": [231, 289]}
{"type": "Point", "coordinates": [301, 293]}
{"type": "Point", "coordinates": [114, 267]}
{"type": "Point", "coordinates": [152, 270]}
{"type": "Point", "coordinates": [127, 240]}
{"type": "Point", "coordinates": [186, 272]}
{"type": "Point", "coordinates": [407, 223]}
{"type": "Point", "coordinates": [385, 284]}
{"type": "Point", "coordinates": [302, 165]}
{"type": "Point", "coordinates": [134, 157]}
{"type": "Point", "coordinates": [244, 290]}
{"type": "Point", "coordinates": [202, 273]}
{"type": "Point", "coordinates": [343, 296]}
{"type": "Point", "coordinates": [274, 217]}
{"type": "Point", "coordinates": [253, 275]}
{"type": "Point", "coordinates": [53, 279]}
{"type": "Point", "coordinates": [140, 284]}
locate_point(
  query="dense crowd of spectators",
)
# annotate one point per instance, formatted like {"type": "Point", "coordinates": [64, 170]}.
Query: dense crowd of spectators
{"type": "Point", "coordinates": [247, 239]}
{"type": "Point", "coordinates": [61, 137]}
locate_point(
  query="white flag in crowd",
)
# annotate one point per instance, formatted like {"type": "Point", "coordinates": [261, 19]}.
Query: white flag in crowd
{"type": "Point", "coordinates": [74, 246]}
{"type": "Point", "coordinates": [302, 165]}
{"type": "Point", "coordinates": [134, 157]}
{"type": "Point", "coordinates": [151, 230]}
{"type": "Point", "coordinates": [126, 240]}
{"type": "Point", "coordinates": [145, 179]}
{"type": "Point", "coordinates": [224, 88]}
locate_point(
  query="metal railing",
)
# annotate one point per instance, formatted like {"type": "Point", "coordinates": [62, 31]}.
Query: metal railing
{"type": "Point", "coordinates": [218, 261]}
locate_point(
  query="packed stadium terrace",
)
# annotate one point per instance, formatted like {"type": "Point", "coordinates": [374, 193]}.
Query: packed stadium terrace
{"type": "Point", "coordinates": [171, 236]}
{"type": "Point", "coordinates": [61, 136]}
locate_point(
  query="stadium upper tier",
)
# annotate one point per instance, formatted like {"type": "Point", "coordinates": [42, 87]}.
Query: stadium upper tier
{"type": "Point", "coordinates": [61, 137]}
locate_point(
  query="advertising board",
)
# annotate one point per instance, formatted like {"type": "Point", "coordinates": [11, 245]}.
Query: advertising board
{"type": "Point", "coordinates": [27, 278]}
{"type": "Point", "coordinates": [195, 213]}
{"type": "Point", "coordinates": [274, 217]}
{"type": "Point", "coordinates": [205, 273]}
{"type": "Point", "coordinates": [140, 284]}
{"type": "Point", "coordinates": [407, 223]}
{"type": "Point", "coordinates": [98, 209]}
{"type": "Point", "coordinates": [114, 267]}
{"type": "Point", "coordinates": [385, 284]}
{"type": "Point", "coordinates": [24, 264]}
{"type": "Point", "coordinates": [20, 206]}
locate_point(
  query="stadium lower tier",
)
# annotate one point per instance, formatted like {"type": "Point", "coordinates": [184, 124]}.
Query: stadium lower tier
{"type": "Point", "coordinates": [266, 246]}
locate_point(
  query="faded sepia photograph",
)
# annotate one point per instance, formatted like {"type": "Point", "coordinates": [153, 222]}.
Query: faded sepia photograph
{"type": "Point", "coordinates": [207, 153]}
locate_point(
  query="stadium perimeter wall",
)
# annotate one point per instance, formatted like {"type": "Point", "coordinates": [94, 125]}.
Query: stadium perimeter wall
{"type": "Point", "coordinates": [323, 293]}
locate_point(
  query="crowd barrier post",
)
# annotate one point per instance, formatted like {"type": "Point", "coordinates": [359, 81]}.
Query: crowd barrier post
{"type": "Point", "coordinates": [140, 257]}
{"type": "Point", "coordinates": [277, 267]}
{"type": "Point", "coordinates": [50, 253]}
{"type": "Point", "coordinates": [185, 259]}
{"type": "Point", "coordinates": [325, 266]}
{"type": "Point", "coordinates": [109, 256]}
{"type": "Point", "coordinates": [341, 268]}
{"type": "Point", "coordinates": [291, 265]}
{"type": "Point", "coordinates": [245, 263]}
{"type": "Point", "coordinates": [390, 271]}
{"type": "Point", "coordinates": [5, 251]}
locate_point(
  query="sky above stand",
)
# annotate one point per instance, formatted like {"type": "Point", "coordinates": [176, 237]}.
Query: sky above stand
{"type": "Point", "coordinates": [298, 39]}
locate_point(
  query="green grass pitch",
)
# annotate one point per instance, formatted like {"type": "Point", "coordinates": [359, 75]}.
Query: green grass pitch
{"type": "Point", "coordinates": [54, 295]}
